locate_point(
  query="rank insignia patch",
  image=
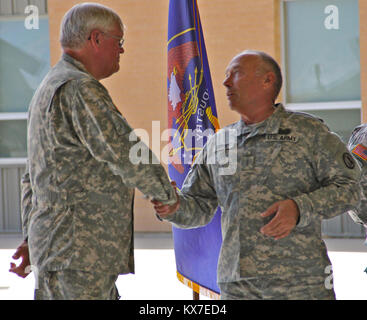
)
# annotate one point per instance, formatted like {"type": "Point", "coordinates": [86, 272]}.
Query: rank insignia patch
{"type": "Point", "coordinates": [361, 151]}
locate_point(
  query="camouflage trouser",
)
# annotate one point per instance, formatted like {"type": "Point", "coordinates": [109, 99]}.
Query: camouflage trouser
{"type": "Point", "coordinates": [75, 285]}
{"type": "Point", "coordinates": [307, 288]}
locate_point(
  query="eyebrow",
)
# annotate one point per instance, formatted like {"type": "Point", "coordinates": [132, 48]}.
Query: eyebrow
{"type": "Point", "coordinates": [233, 68]}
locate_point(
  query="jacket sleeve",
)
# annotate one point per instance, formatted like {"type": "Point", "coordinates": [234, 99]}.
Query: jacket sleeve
{"type": "Point", "coordinates": [110, 139]}
{"type": "Point", "coordinates": [337, 174]}
{"type": "Point", "coordinates": [26, 201]}
{"type": "Point", "coordinates": [362, 206]}
{"type": "Point", "coordinates": [198, 199]}
{"type": "Point", "coordinates": [357, 146]}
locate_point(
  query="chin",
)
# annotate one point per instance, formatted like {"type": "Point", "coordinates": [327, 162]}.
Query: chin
{"type": "Point", "coordinates": [117, 68]}
{"type": "Point", "coordinates": [113, 71]}
{"type": "Point", "coordinates": [232, 107]}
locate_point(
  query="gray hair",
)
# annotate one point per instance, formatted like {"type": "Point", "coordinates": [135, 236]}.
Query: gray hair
{"type": "Point", "coordinates": [81, 19]}
{"type": "Point", "coordinates": [269, 64]}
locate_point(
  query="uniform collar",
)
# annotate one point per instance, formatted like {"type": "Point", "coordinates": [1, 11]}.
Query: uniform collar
{"type": "Point", "coordinates": [268, 126]}
{"type": "Point", "coordinates": [76, 63]}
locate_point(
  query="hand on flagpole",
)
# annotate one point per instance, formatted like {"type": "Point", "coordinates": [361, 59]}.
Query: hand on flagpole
{"type": "Point", "coordinates": [164, 210]}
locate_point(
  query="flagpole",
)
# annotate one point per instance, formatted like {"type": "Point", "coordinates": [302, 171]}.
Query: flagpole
{"type": "Point", "coordinates": [195, 295]}
{"type": "Point", "coordinates": [191, 107]}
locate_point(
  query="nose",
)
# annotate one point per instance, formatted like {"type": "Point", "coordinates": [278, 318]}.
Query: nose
{"type": "Point", "coordinates": [122, 50]}
{"type": "Point", "coordinates": [227, 81]}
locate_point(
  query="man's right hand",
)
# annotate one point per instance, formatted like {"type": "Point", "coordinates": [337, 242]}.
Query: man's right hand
{"type": "Point", "coordinates": [23, 269]}
{"type": "Point", "coordinates": [164, 210]}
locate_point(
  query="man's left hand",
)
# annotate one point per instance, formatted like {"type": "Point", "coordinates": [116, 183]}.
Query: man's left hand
{"type": "Point", "coordinates": [285, 219]}
{"type": "Point", "coordinates": [22, 270]}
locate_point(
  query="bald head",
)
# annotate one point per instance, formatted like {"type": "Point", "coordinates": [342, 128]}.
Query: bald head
{"type": "Point", "coordinates": [264, 63]}
{"type": "Point", "coordinates": [253, 81]}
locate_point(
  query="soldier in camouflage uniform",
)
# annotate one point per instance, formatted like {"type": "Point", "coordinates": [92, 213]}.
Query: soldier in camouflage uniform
{"type": "Point", "coordinates": [78, 188]}
{"type": "Point", "coordinates": [291, 174]}
{"type": "Point", "coordinates": [357, 145]}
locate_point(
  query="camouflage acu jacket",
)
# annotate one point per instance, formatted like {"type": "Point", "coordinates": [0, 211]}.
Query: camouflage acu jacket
{"type": "Point", "coordinates": [288, 156]}
{"type": "Point", "coordinates": [357, 145]}
{"type": "Point", "coordinates": [79, 184]}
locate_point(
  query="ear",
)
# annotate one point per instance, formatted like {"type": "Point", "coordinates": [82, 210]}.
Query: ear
{"type": "Point", "coordinates": [269, 79]}
{"type": "Point", "coordinates": [94, 38]}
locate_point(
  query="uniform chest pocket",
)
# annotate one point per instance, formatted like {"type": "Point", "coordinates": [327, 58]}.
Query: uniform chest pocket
{"type": "Point", "coordinates": [223, 162]}
{"type": "Point", "coordinates": [291, 171]}
{"type": "Point", "coordinates": [247, 162]}
{"type": "Point", "coordinates": [224, 159]}
{"type": "Point", "coordinates": [259, 157]}
{"type": "Point", "coordinates": [257, 161]}
{"type": "Point", "coordinates": [290, 158]}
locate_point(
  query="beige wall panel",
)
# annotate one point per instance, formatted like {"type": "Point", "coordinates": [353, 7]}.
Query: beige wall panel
{"type": "Point", "coordinates": [230, 27]}
{"type": "Point", "coordinates": [139, 89]}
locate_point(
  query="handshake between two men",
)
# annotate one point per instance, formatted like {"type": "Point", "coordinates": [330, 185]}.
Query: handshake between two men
{"type": "Point", "coordinates": [285, 215]}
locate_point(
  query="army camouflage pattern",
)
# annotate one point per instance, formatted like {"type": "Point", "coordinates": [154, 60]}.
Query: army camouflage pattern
{"type": "Point", "coordinates": [359, 136]}
{"type": "Point", "coordinates": [288, 156]}
{"type": "Point", "coordinates": [282, 288]}
{"type": "Point", "coordinates": [78, 188]}
{"type": "Point", "coordinates": [76, 285]}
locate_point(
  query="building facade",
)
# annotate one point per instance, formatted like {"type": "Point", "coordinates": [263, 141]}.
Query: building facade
{"type": "Point", "coordinates": [320, 44]}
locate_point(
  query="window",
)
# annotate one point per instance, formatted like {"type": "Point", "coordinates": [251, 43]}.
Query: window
{"type": "Point", "coordinates": [24, 61]}
{"type": "Point", "coordinates": [321, 61]}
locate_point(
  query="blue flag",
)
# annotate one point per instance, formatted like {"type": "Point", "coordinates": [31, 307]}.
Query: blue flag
{"type": "Point", "coordinates": [192, 118]}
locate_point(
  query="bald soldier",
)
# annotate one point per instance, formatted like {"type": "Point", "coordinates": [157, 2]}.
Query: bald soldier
{"type": "Point", "coordinates": [78, 188]}
{"type": "Point", "coordinates": [291, 173]}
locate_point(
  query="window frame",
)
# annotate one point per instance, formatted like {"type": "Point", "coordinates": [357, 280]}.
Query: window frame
{"type": "Point", "coordinates": [6, 116]}
{"type": "Point", "coordinates": [11, 10]}
{"type": "Point", "coordinates": [307, 106]}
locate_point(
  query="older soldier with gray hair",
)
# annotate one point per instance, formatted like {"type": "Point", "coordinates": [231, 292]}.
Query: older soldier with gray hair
{"type": "Point", "coordinates": [291, 174]}
{"type": "Point", "coordinates": [78, 188]}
